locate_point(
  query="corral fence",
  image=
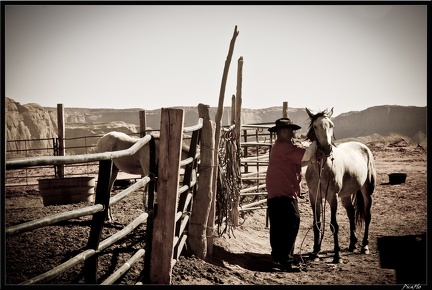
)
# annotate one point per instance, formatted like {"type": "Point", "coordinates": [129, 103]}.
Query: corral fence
{"type": "Point", "coordinates": [26, 148]}
{"type": "Point", "coordinates": [255, 143]}
{"type": "Point", "coordinates": [168, 213]}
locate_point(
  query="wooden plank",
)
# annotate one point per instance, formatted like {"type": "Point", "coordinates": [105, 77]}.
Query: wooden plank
{"type": "Point", "coordinates": [167, 185]}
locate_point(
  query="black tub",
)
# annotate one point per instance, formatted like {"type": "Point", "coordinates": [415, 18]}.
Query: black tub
{"type": "Point", "coordinates": [397, 178]}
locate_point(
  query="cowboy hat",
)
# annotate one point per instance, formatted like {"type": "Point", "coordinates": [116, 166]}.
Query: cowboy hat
{"type": "Point", "coordinates": [284, 123]}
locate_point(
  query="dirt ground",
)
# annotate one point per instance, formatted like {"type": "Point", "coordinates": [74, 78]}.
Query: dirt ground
{"type": "Point", "coordinates": [397, 238]}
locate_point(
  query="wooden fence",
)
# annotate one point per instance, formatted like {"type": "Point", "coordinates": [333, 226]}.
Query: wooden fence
{"type": "Point", "coordinates": [164, 219]}
{"type": "Point", "coordinates": [98, 210]}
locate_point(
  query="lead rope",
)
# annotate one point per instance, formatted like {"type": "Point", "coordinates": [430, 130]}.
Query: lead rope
{"type": "Point", "coordinates": [323, 200]}
{"type": "Point", "coordinates": [322, 229]}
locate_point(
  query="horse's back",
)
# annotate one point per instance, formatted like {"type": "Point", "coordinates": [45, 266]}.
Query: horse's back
{"type": "Point", "coordinates": [360, 162]}
{"type": "Point", "coordinates": [354, 145]}
{"type": "Point", "coordinates": [114, 141]}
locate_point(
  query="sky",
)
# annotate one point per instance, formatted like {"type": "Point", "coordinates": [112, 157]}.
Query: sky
{"type": "Point", "coordinates": [349, 57]}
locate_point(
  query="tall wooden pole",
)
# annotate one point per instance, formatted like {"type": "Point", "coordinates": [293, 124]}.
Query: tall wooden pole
{"type": "Point", "coordinates": [233, 109]}
{"type": "Point", "coordinates": [61, 135]}
{"type": "Point", "coordinates": [201, 204]}
{"type": "Point", "coordinates": [234, 211]}
{"type": "Point", "coordinates": [218, 118]}
{"type": "Point", "coordinates": [285, 110]}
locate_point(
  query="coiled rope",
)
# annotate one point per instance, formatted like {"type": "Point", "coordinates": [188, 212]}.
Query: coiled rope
{"type": "Point", "coordinates": [229, 180]}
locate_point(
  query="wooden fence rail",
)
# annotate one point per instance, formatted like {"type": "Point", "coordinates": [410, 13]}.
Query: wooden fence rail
{"type": "Point", "coordinates": [99, 210]}
{"type": "Point", "coordinates": [87, 254]}
{"type": "Point", "coordinates": [60, 160]}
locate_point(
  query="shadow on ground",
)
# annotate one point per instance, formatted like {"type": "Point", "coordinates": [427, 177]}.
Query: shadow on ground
{"type": "Point", "coordinates": [247, 260]}
{"type": "Point", "coordinates": [250, 261]}
{"type": "Point", "coordinates": [405, 254]}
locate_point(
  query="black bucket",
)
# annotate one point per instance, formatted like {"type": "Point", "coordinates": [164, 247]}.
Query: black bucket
{"type": "Point", "coordinates": [397, 178]}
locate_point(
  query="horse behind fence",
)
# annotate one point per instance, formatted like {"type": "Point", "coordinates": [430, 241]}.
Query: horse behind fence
{"type": "Point", "coordinates": [143, 162]}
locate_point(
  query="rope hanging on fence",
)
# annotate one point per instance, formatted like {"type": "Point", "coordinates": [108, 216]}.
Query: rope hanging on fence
{"type": "Point", "coordinates": [229, 178]}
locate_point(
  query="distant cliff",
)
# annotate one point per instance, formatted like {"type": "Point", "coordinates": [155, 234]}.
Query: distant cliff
{"type": "Point", "coordinates": [407, 121]}
{"type": "Point", "coordinates": [32, 121]}
{"type": "Point", "coordinates": [29, 121]}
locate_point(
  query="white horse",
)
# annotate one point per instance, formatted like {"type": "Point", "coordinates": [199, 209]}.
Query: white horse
{"type": "Point", "coordinates": [346, 170]}
{"type": "Point", "coordinates": [138, 163]}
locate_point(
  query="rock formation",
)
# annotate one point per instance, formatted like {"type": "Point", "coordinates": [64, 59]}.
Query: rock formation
{"type": "Point", "coordinates": [32, 121]}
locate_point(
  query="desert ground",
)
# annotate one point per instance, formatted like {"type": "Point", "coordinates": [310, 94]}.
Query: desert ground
{"type": "Point", "coordinates": [397, 237]}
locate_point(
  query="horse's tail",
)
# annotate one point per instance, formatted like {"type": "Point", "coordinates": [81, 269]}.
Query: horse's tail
{"type": "Point", "coordinates": [360, 210]}
{"type": "Point", "coordinates": [371, 178]}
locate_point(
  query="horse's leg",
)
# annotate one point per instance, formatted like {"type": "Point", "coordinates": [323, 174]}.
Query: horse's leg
{"type": "Point", "coordinates": [334, 227]}
{"type": "Point", "coordinates": [347, 204]}
{"type": "Point", "coordinates": [113, 178]}
{"type": "Point", "coordinates": [367, 204]}
{"type": "Point", "coordinates": [316, 210]}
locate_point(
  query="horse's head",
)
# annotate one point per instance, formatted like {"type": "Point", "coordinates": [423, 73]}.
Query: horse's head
{"type": "Point", "coordinates": [321, 130]}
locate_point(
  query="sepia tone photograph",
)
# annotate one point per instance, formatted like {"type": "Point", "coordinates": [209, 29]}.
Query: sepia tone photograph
{"type": "Point", "coordinates": [154, 144]}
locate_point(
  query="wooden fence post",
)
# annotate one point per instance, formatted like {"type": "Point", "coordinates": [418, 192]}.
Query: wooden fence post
{"type": "Point", "coordinates": [61, 134]}
{"type": "Point", "coordinates": [285, 110]}
{"type": "Point", "coordinates": [102, 197]}
{"type": "Point", "coordinates": [171, 137]}
{"type": "Point", "coordinates": [142, 119]}
{"type": "Point", "coordinates": [235, 202]}
{"type": "Point", "coordinates": [233, 110]}
{"type": "Point", "coordinates": [198, 232]}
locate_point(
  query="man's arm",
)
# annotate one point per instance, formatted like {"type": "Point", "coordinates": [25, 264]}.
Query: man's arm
{"type": "Point", "coordinates": [309, 155]}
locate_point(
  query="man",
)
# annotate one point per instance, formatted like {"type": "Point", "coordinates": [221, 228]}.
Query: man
{"type": "Point", "coordinates": [283, 187]}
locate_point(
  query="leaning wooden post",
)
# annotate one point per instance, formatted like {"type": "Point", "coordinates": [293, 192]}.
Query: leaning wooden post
{"type": "Point", "coordinates": [237, 128]}
{"type": "Point", "coordinates": [201, 203]}
{"type": "Point", "coordinates": [61, 135]}
{"type": "Point", "coordinates": [170, 146]}
{"type": "Point", "coordinates": [285, 110]}
{"type": "Point", "coordinates": [142, 119]}
{"type": "Point", "coordinates": [218, 118]}
{"type": "Point", "coordinates": [233, 110]}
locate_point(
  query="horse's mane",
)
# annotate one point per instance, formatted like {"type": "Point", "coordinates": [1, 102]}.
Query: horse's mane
{"type": "Point", "coordinates": [311, 132]}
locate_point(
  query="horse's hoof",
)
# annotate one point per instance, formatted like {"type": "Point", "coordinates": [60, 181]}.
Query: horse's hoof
{"type": "Point", "coordinates": [365, 250]}
{"type": "Point", "coordinates": [351, 248]}
{"type": "Point", "coordinates": [314, 257]}
{"type": "Point", "coordinates": [337, 260]}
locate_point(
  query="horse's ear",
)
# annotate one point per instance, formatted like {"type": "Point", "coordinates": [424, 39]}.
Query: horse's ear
{"type": "Point", "coordinates": [330, 113]}
{"type": "Point", "coordinates": [309, 113]}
